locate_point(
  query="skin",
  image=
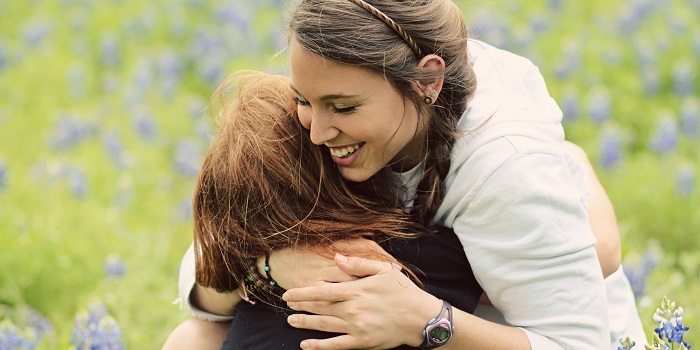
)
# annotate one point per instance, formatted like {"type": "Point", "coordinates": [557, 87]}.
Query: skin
{"type": "Point", "coordinates": [345, 106]}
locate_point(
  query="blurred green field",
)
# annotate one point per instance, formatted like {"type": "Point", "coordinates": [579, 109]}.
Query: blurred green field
{"type": "Point", "coordinates": [103, 124]}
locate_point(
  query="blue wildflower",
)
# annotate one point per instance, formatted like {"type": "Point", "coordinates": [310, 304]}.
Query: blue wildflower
{"type": "Point", "coordinates": [183, 210]}
{"type": "Point", "coordinates": [114, 266]}
{"type": "Point", "coordinates": [96, 329]}
{"type": "Point", "coordinates": [11, 337]}
{"type": "Point", "coordinates": [76, 82]}
{"type": "Point", "coordinates": [145, 125]}
{"type": "Point", "coordinates": [670, 321]}
{"type": "Point", "coordinates": [76, 181]}
{"type": "Point", "coordinates": [610, 149]}
{"type": "Point", "coordinates": [232, 13]}
{"type": "Point", "coordinates": [115, 149]}
{"type": "Point", "coordinates": [651, 81]}
{"type": "Point", "coordinates": [35, 32]}
{"type": "Point", "coordinates": [69, 131]}
{"type": "Point", "coordinates": [187, 158]}
{"type": "Point", "coordinates": [3, 56]}
{"type": "Point", "coordinates": [110, 51]}
{"type": "Point", "coordinates": [685, 181]}
{"type": "Point", "coordinates": [690, 117]}
{"type": "Point", "coordinates": [599, 105]}
{"type": "Point", "coordinates": [665, 137]}
{"type": "Point", "coordinates": [626, 344]}
{"type": "Point", "coordinates": [637, 274]}
{"type": "Point", "coordinates": [684, 77]}
{"type": "Point", "coordinates": [3, 176]}
{"type": "Point", "coordinates": [570, 106]}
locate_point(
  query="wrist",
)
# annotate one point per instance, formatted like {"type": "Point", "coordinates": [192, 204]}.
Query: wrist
{"type": "Point", "coordinates": [439, 330]}
{"type": "Point", "coordinates": [427, 308]}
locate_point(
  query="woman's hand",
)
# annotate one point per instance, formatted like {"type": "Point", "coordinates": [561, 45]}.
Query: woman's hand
{"type": "Point", "coordinates": [382, 309]}
{"type": "Point", "coordinates": [304, 267]}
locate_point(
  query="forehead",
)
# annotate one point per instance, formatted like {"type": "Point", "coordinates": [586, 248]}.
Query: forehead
{"type": "Point", "coordinates": [311, 74]}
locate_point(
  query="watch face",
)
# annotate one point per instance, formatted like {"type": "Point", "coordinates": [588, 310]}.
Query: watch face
{"type": "Point", "coordinates": [440, 332]}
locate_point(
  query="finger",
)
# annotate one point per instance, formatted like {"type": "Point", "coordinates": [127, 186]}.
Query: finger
{"type": "Point", "coordinates": [325, 292]}
{"type": "Point", "coordinates": [339, 342]}
{"type": "Point", "coordinates": [318, 322]}
{"type": "Point", "coordinates": [334, 274]}
{"type": "Point", "coordinates": [362, 267]}
{"type": "Point", "coordinates": [314, 307]}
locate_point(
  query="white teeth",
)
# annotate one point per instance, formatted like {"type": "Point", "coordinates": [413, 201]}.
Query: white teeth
{"type": "Point", "coordinates": [344, 152]}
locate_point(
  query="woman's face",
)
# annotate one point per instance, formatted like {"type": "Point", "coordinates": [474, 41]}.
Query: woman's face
{"type": "Point", "coordinates": [364, 121]}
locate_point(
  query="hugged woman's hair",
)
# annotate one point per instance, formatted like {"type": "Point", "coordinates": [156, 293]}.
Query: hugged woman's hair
{"type": "Point", "coordinates": [263, 186]}
{"type": "Point", "coordinates": [358, 33]}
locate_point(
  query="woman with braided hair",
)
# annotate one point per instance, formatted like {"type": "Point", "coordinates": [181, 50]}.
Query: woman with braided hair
{"type": "Point", "coordinates": [467, 137]}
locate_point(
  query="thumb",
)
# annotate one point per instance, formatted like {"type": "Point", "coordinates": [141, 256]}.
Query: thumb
{"type": "Point", "coordinates": [361, 267]}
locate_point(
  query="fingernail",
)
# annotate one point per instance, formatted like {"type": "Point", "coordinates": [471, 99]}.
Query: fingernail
{"type": "Point", "coordinates": [305, 345]}
{"type": "Point", "coordinates": [341, 257]}
{"type": "Point", "coordinates": [285, 296]}
{"type": "Point", "coordinates": [292, 319]}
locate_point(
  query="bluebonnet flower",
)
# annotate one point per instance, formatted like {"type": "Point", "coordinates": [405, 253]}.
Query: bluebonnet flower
{"type": "Point", "coordinates": [3, 176]}
{"type": "Point", "coordinates": [187, 158]}
{"type": "Point", "coordinates": [11, 337]}
{"type": "Point", "coordinates": [233, 13]}
{"type": "Point", "coordinates": [684, 76]}
{"type": "Point", "coordinates": [171, 70]}
{"type": "Point", "coordinates": [210, 69]}
{"type": "Point", "coordinates": [599, 105]}
{"type": "Point", "coordinates": [76, 82]}
{"type": "Point", "coordinates": [651, 81]}
{"type": "Point", "coordinates": [26, 332]}
{"type": "Point", "coordinates": [670, 319]}
{"type": "Point", "coordinates": [610, 149]}
{"type": "Point", "coordinates": [570, 62]}
{"type": "Point", "coordinates": [69, 131]}
{"type": "Point", "coordinates": [626, 344]}
{"type": "Point", "coordinates": [76, 182]}
{"type": "Point", "coordinates": [115, 149]}
{"type": "Point", "coordinates": [690, 117]}
{"type": "Point", "coordinates": [114, 266]}
{"type": "Point", "coordinates": [3, 56]}
{"type": "Point", "coordinates": [110, 51]}
{"type": "Point", "coordinates": [35, 32]}
{"type": "Point", "coordinates": [637, 274]}
{"type": "Point", "coordinates": [570, 106]}
{"type": "Point", "coordinates": [96, 329]}
{"type": "Point", "coordinates": [539, 23]}
{"type": "Point", "coordinates": [685, 181]}
{"type": "Point", "coordinates": [183, 210]}
{"type": "Point", "coordinates": [145, 124]}
{"type": "Point", "coordinates": [555, 4]}
{"type": "Point", "coordinates": [665, 137]}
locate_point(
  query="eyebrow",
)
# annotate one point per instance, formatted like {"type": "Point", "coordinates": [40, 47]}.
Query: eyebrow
{"type": "Point", "coordinates": [326, 97]}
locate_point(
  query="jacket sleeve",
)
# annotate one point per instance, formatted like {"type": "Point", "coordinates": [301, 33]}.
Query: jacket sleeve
{"type": "Point", "coordinates": [525, 231]}
{"type": "Point", "coordinates": [186, 282]}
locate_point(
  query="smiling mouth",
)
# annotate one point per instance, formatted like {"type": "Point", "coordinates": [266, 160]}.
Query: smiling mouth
{"type": "Point", "coordinates": [344, 152]}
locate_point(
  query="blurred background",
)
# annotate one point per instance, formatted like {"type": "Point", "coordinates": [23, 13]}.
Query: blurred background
{"type": "Point", "coordinates": [103, 123]}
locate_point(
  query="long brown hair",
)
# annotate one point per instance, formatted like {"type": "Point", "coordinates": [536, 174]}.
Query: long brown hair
{"type": "Point", "coordinates": [263, 186]}
{"type": "Point", "coordinates": [345, 32]}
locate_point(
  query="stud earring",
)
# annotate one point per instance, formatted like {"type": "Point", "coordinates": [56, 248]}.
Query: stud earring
{"type": "Point", "coordinates": [428, 100]}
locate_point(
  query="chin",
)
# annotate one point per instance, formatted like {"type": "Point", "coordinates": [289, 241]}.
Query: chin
{"type": "Point", "coordinates": [355, 176]}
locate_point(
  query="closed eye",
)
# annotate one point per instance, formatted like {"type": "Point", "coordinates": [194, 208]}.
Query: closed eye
{"type": "Point", "coordinates": [300, 102]}
{"type": "Point", "coordinates": [344, 109]}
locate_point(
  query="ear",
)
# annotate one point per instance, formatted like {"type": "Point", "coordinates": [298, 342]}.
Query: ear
{"type": "Point", "coordinates": [435, 66]}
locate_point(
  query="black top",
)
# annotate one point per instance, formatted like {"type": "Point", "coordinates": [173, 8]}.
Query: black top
{"type": "Point", "coordinates": [437, 259]}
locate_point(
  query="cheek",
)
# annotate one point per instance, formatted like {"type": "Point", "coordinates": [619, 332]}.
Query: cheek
{"type": "Point", "coordinates": [304, 117]}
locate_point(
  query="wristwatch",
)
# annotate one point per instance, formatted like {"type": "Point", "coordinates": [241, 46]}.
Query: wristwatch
{"type": "Point", "coordinates": [439, 330]}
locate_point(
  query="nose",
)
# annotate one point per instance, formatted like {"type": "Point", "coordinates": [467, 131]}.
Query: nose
{"type": "Point", "coordinates": [320, 125]}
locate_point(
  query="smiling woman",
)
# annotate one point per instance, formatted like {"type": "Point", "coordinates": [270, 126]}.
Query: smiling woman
{"type": "Point", "coordinates": [364, 121]}
{"type": "Point", "coordinates": [462, 135]}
